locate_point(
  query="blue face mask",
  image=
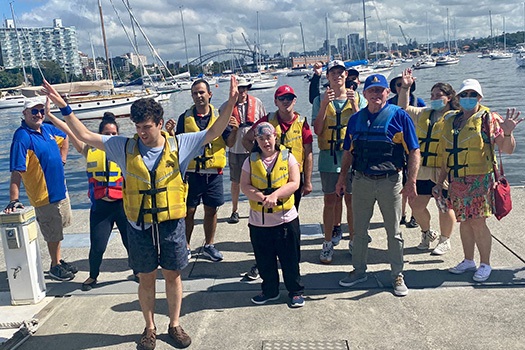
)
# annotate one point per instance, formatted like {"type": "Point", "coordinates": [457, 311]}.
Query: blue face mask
{"type": "Point", "coordinates": [437, 105]}
{"type": "Point", "coordinates": [468, 103]}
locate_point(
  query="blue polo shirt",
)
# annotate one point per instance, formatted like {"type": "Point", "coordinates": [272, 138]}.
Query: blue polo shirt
{"type": "Point", "coordinates": [401, 129]}
{"type": "Point", "coordinates": [36, 155]}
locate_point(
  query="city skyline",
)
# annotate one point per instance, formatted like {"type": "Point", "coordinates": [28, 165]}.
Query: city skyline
{"type": "Point", "coordinates": [279, 22]}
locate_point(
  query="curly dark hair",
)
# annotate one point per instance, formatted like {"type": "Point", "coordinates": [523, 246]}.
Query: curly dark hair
{"type": "Point", "coordinates": [449, 91]}
{"type": "Point", "coordinates": [108, 118]}
{"type": "Point", "coordinates": [146, 109]}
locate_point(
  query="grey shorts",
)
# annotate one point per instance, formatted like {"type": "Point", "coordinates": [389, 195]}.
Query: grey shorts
{"type": "Point", "coordinates": [235, 161]}
{"type": "Point", "coordinates": [144, 254]}
{"type": "Point", "coordinates": [329, 180]}
{"type": "Point", "coordinates": [52, 218]}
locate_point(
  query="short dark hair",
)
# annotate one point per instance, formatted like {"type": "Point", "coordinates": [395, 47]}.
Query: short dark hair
{"type": "Point", "coordinates": [201, 81]}
{"type": "Point", "coordinates": [108, 118]}
{"type": "Point", "coordinates": [146, 109]}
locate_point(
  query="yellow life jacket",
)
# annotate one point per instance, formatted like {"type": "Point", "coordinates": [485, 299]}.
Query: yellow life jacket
{"type": "Point", "coordinates": [103, 182]}
{"type": "Point", "coordinates": [465, 150]}
{"type": "Point", "coordinates": [214, 154]}
{"type": "Point", "coordinates": [293, 137]}
{"type": "Point", "coordinates": [333, 133]}
{"type": "Point", "coordinates": [429, 135]}
{"type": "Point", "coordinates": [158, 195]}
{"type": "Point", "coordinates": [270, 180]}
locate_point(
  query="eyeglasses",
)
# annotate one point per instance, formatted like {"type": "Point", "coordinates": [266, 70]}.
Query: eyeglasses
{"type": "Point", "coordinates": [35, 111]}
{"type": "Point", "coordinates": [286, 98]}
{"type": "Point", "coordinates": [468, 94]}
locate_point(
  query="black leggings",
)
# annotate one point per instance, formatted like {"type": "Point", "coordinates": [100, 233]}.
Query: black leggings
{"type": "Point", "coordinates": [102, 217]}
{"type": "Point", "coordinates": [281, 242]}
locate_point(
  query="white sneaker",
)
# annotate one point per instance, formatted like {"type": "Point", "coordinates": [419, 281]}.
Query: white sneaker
{"type": "Point", "coordinates": [462, 267]}
{"type": "Point", "coordinates": [326, 254]}
{"type": "Point", "coordinates": [442, 247]}
{"type": "Point", "coordinates": [482, 273]}
{"type": "Point", "coordinates": [426, 238]}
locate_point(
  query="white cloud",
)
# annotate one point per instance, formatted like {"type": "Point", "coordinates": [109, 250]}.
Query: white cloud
{"type": "Point", "coordinates": [218, 21]}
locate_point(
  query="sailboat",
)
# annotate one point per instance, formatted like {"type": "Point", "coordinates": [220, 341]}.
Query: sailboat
{"type": "Point", "coordinates": [90, 99]}
{"type": "Point", "coordinates": [520, 48]}
{"type": "Point", "coordinates": [498, 55]}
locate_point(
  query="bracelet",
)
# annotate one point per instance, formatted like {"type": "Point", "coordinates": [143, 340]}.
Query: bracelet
{"type": "Point", "coordinates": [505, 135]}
{"type": "Point", "coordinates": [66, 110]}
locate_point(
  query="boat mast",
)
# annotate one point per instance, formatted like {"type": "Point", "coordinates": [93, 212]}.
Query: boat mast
{"type": "Point", "coordinates": [142, 68]}
{"type": "Point", "coordinates": [108, 64]}
{"type": "Point", "coordinates": [328, 48]}
{"type": "Point", "coordinates": [491, 33]}
{"type": "Point", "coordinates": [448, 32]}
{"type": "Point", "coordinates": [304, 46]}
{"type": "Point", "coordinates": [366, 38]}
{"type": "Point", "coordinates": [19, 45]}
{"type": "Point", "coordinates": [504, 37]}
{"type": "Point", "coordinates": [185, 43]}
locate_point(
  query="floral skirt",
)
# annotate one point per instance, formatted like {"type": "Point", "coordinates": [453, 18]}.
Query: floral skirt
{"type": "Point", "coordinates": [472, 196]}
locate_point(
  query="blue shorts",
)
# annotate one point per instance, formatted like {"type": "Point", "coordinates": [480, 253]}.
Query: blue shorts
{"type": "Point", "coordinates": [206, 186]}
{"type": "Point", "coordinates": [143, 247]}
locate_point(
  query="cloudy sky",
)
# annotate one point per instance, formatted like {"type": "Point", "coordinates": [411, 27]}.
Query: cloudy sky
{"type": "Point", "coordinates": [220, 21]}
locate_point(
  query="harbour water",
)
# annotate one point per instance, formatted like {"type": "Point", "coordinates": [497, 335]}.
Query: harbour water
{"type": "Point", "coordinates": [501, 80]}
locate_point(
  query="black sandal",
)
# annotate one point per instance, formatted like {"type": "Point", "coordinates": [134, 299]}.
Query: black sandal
{"type": "Point", "coordinates": [88, 286]}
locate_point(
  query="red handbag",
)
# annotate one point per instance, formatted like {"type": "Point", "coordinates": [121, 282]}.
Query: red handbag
{"type": "Point", "coordinates": [502, 199]}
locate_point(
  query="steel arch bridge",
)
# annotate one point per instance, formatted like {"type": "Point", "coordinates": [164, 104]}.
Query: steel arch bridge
{"type": "Point", "coordinates": [208, 56]}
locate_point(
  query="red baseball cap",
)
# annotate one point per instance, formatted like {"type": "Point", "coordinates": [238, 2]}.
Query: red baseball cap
{"type": "Point", "coordinates": [284, 90]}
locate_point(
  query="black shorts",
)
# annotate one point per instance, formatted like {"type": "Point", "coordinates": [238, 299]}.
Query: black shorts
{"type": "Point", "coordinates": [424, 188]}
{"type": "Point", "coordinates": [207, 187]}
{"type": "Point", "coordinates": [143, 247]}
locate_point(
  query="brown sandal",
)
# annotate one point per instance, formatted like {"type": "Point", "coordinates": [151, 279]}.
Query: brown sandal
{"type": "Point", "coordinates": [148, 339]}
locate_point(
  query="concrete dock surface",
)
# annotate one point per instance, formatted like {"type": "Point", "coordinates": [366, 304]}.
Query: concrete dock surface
{"type": "Point", "coordinates": [441, 311]}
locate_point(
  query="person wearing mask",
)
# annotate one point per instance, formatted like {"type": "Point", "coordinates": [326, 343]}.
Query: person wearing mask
{"type": "Point", "coordinates": [429, 123]}
{"type": "Point", "coordinates": [469, 137]}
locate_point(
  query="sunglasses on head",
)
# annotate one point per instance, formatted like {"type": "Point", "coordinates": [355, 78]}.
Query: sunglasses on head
{"type": "Point", "coordinates": [469, 94]}
{"type": "Point", "coordinates": [35, 111]}
{"type": "Point", "coordinates": [286, 98]}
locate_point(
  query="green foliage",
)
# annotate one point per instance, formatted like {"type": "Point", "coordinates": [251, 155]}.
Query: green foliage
{"type": "Point", "coordinates": [10, 79]}
{"type": "Point", "coordinates": [52, 71]}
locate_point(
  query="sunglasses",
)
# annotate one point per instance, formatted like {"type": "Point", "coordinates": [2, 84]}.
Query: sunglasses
{"type": "Point", "coordinates": [399, 84]}
{"type": "Point", "coordinates": [35, 111]}
{"type": "Point", "coordinates": [286, 98]}
{"type": "Point", "coordinates": [468, 94]}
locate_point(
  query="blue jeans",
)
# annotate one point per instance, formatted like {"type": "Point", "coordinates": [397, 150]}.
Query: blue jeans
{"type": "Point", "coordinates": [386, 192]}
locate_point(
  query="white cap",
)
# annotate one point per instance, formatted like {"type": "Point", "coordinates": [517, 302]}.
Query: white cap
{"type": "Point", "coordinates": [34, 101]}
{"type": "Point", "coordinates": [470, 84]}
{"type": "Point", "coordinates": [335, 63]}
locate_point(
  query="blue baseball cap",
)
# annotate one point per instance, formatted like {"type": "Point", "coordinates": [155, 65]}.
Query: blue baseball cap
{"type": "Point", "coordinates": [376, 80]}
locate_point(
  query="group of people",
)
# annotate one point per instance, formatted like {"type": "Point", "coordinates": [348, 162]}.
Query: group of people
{"type": "Point", "coordinates": [366, 146]}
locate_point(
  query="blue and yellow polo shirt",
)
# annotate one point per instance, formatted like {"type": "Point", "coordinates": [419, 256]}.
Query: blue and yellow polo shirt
{"type": "Point", "coordinates": [36, 155]}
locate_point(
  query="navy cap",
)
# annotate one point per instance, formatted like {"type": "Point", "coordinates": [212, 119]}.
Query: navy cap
{"type": "Point", "coordinates": [376, 80]}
